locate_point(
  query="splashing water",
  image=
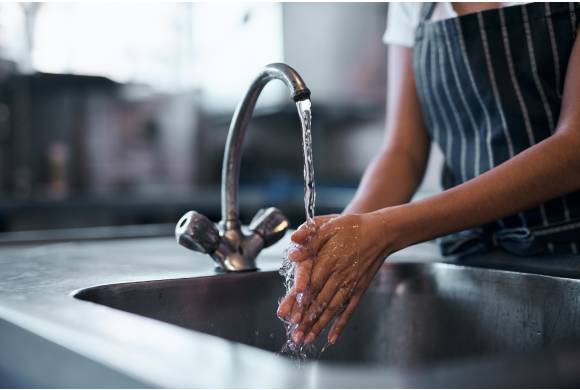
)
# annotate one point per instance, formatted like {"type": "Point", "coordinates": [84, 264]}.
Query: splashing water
{"type": "Point", "coordinates": [301, 352]}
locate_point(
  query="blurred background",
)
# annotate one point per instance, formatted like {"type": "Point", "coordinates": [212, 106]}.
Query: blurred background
{"type": "Point", "coordinates": [116, 114]}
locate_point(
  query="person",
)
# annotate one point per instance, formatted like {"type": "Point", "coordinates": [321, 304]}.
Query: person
{"type": "Point", "coordinates": [497, 88]}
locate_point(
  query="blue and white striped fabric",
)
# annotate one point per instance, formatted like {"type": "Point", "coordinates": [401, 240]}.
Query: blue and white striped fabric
{"type": "Point", "coordinates": [490, 85]}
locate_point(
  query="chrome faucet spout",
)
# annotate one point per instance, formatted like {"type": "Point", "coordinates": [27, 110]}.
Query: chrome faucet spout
{"type": "Point", "coordinates": [230, 247]}
{"type": "Point", "coordinates": [238, 126]}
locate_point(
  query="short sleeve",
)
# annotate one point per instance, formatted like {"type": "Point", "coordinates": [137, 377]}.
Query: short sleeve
{"type": "Point", "coordinates": [402, 20]}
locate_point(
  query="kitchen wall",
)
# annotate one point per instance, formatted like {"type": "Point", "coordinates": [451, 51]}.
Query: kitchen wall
{"type": "Point", "coordinates": [141, 139]}
{"type": "Point", "coordinates": [339, 49]}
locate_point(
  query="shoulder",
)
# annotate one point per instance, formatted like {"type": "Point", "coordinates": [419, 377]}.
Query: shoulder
{"type": "Point", "coordinates": [402, 20]}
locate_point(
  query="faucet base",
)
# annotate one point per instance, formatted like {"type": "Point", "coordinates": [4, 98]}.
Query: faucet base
{"type": "Point", "coordinates": [232, 249]}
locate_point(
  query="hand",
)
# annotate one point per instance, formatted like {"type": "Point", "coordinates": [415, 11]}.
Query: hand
{"type": "Point", "coordinates": [292, 306]}
{"type": "Point", "coordinates": [345, 253]}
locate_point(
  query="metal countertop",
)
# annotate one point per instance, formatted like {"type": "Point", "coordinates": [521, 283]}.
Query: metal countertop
{"type": "Point", "coordinates": [51, 338]}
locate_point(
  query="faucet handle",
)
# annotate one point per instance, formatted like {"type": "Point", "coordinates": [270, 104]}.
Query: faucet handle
{"type": "Point", "coordinates": [196, 232]}
{"type": "Point", "coordinates": [270, 224]}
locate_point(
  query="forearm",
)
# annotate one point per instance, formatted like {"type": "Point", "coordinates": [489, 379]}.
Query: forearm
{"type": "Point", "coordinates": [544, 171]}
{"type": "Point", "coordinates": [390, 180]}
{"type": "Point", "coordinates": [396, 171]}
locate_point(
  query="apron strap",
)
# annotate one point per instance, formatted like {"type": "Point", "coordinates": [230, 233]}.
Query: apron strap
{"type": "Point", "coordinates": [426, 11]}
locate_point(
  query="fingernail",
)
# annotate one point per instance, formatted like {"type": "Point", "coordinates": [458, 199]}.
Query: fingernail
{"type": "Point", "coordinates": [297, 337]}
{"type": "Point", "coordinates": [332, 339]}
{"type": "Point", "coordinates": [310, 338]}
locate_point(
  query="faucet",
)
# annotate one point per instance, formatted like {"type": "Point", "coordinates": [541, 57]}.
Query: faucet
{"type": "Point", "coordinates": [233, 247]}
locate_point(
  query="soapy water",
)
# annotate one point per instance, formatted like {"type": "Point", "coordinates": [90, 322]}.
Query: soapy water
{"type": "Point", "coordinates": [290, 348]}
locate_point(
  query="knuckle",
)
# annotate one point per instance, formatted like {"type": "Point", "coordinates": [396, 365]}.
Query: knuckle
{"type": "Point", "coordinates": [333, 307]}
{"type": "Point", "coordinates": [315, 329]}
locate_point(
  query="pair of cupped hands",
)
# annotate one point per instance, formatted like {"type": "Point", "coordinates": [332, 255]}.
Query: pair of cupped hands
{"type": "Point", "coordinates": [335, 258]}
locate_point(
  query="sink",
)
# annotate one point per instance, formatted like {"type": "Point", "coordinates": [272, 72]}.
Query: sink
{"type": "Point", "coordinates": [413, 314]}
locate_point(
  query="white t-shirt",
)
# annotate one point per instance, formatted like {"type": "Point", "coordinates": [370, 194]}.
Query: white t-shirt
{"type": "Point", "coordinates": [403, 19]}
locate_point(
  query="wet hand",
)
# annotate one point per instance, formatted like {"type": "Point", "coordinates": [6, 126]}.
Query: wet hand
{"type": "Point", "coordinates": [292, 306]}
{"type": "Point", "coordinates": [344, 254]}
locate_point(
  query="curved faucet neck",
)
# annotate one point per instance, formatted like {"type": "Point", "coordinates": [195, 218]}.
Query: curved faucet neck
{"type": "Point", "coordinates": [238, 126]}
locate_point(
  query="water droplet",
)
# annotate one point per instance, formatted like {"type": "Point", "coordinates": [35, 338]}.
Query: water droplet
{"type": "Point", "coordinates": [300, 298]}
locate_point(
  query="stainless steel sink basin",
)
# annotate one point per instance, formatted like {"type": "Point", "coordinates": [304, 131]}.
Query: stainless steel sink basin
{"type": "Point", "coordinates": [412, 315]}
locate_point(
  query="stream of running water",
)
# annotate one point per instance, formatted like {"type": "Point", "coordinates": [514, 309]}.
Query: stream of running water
{"type": "Point", "coordinates": [301, 352]}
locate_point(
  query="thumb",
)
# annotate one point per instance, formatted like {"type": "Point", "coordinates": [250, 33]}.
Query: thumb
{"type": "Point", "coordinates": [307, 229]}
{"type": "Point", "coordinates": [325, 228]}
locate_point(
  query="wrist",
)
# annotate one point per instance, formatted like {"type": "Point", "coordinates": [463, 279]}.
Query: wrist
{"type": "Point", "coordinates": [395, 226]}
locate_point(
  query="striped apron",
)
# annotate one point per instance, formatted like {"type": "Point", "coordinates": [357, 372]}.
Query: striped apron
{"type": "Point", "coordinates": [490, 86]}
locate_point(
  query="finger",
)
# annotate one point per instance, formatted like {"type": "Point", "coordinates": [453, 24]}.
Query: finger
{"type": "Point", "coordinates": [302, 298]}
{"type": "Point", "coordinates": [342, 320]}
{"type": "Point", "coordinates": [322, 235]}
{"type": "Point", "coordinates": [324, 258]}
{"type": "Point", "coordinates": [318, 305]}
{"type": "Point", "coordinates": [303, 233]}
{"type": "Point", "coordinates": [300, 305]}
{"type": "Point", "coordinates": [322, 270]}
{"type": "Point", "coordinates": [300, 236]}
{"type": "Point", "coordinates": [298, 253]}
{"type": "Point", "coordinates": [302, 276]}
{"type": "Point", "coordinates": [307, 229]}
{"type": "Point", "coordinates": [317, 269]}
{"type": "Point", "coordinates": [338, 302]}
{"type": "Point", "coordinates": [286, 305]}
